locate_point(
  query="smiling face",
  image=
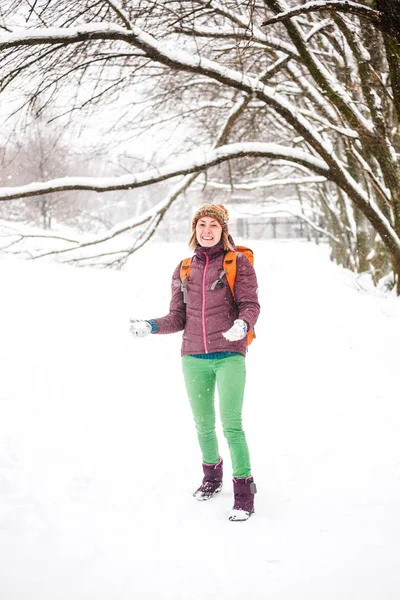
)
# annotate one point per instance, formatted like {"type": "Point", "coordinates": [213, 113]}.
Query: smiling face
{"type": "Point", "coordinates": [208, 231]}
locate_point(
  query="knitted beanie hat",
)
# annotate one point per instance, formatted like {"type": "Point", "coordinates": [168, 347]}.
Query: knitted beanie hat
{"type": "Point", "coordinates": [216, 211]}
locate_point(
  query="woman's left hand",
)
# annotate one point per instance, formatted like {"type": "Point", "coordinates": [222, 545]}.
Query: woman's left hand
{"type": "Point", "coordinates": [237, 332]}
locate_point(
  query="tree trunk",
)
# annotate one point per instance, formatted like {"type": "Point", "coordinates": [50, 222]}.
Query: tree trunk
{"type": "Point", "coordinates": [363, 241]}
{"type": "Point", "coordinates": [390, 10]}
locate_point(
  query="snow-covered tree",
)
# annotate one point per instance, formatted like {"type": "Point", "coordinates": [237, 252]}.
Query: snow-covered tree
{"type": "Point", "coordinates": [234, 93]}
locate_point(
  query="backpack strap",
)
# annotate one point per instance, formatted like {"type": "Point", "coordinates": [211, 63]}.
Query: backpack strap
{"type": "Point", "coordinates": [229, 265]}
{"type": "Point", "coordinates": [218, 281]}
{"type": "Point", "coordinates": [184, 273]}
{"type": "Point", "coordinates": [230, 269]}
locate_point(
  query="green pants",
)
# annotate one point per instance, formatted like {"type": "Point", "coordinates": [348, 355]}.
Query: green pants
{"type": "Point", "coordinates": [229, 374]}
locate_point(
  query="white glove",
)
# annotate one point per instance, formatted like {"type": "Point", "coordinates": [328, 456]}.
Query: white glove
{"type": "Point", "coordinates": [139, 328]}
{"type": "Point", "coordinates": [237, 332]}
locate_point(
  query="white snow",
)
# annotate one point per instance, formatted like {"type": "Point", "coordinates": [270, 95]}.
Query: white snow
{"type": "Point", "coordinates": [99, 457]}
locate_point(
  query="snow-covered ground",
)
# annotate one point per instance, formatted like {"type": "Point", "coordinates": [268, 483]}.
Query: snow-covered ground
{"type": "Point", "coordinates": [98, 453]}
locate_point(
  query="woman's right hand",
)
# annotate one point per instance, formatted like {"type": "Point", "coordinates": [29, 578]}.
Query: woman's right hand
{"type": "Point", "coordinates": [139, 328]}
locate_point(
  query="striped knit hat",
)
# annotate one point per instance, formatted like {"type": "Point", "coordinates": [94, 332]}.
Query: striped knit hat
{"type": "Point", "coordinates": [217, 211]}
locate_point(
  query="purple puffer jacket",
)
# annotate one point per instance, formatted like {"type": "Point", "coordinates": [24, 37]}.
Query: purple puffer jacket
{"type": "Point", "coordinates": [209, 312]}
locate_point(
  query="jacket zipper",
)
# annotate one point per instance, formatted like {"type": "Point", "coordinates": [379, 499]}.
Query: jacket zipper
{"type": "Point", "coordinates": [203, 308]}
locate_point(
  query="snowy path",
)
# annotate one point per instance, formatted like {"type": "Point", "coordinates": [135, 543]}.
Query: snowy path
{"type": "Point", "coordinates": [98, 456]}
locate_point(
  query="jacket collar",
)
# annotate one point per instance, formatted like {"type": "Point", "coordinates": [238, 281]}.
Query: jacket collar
{"type": "Point", "coordinates": [217, 250]}
{"type": "Point", "coordinates": [214, 251]}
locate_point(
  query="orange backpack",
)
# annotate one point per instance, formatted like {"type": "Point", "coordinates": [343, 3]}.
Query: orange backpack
{"type": "Point", "coordinates": [229, 271]}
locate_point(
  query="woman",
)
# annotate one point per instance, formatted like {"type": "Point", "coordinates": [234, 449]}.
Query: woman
{"type": "Point", "coordinates": [215, 326]}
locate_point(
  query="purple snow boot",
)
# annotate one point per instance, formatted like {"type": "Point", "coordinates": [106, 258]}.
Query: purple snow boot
{"type": "Point", "coordinates": [212, 481]}
{"type": "Point", "coordinates": [244, 489]}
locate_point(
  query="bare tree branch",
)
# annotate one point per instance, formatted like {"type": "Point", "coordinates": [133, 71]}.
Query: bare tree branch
{"type": "Point", "coordinates": [199, 162]}
{"type": "Point", "coordinates": [269, 183]}
{"type": "Point", "coordinates": [120, 12]}
{"type": "Point", "coordinates": [331, 5]}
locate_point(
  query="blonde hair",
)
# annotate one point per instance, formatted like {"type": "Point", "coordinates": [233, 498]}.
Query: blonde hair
{"type": "Point", "coordinates": [224, 237]}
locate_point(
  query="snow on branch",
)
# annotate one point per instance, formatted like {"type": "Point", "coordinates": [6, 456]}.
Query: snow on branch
{"type": "Point", "coordinates": [257, 37]}
{"type": "Point", "coordinates": [65, 35]}
{"type": "Point", "coordinates": [268, 183]}
{"type": "Point", "coordinates": [345, 6]}
{"type": "Point", "coordinates": [199, 161]}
